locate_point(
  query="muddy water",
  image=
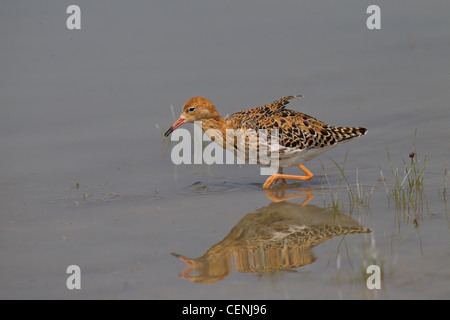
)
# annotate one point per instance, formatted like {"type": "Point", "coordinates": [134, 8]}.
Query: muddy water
{"type": "Point", "coordinates": [84, 179]}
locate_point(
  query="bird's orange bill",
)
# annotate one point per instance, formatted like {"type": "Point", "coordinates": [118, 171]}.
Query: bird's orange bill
{"type": "Point", "coordinates": [177, 123]}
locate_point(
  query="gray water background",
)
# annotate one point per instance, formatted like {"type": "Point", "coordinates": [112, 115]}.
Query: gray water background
{"type": "Point", "coordinates": [83, 179]}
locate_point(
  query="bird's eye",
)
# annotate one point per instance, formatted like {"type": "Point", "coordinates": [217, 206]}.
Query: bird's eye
{"type": "Point", "coordinates": [191, 109]}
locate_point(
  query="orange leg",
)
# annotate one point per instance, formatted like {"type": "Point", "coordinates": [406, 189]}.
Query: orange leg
{"type": "Point", "coordinates": [280, 171]}
{"type": "Point", "coordinates": [278, 195]}
{"type": "Point", "coordinates": [273, 178]}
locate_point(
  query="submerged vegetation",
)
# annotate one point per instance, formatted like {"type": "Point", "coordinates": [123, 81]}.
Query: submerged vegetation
{"type": "Point", "coordinates": [80, 198]}
{"type": "Point", "coordinates": [407, 192]}
{"type": "Point", "coordinates": [356, 195]}
{"type": "Point", "coordinates": [404, 188]}
{"type": "Point", "coordinates": [407, 189]}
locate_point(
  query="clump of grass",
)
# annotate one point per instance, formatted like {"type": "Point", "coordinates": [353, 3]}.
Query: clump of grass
{"type": "Point", "coordinates": [334, 195]}
{"type": "Point", "coordinates": [407, 191]}
{"type": "Point", "coordinates": [355, 193]}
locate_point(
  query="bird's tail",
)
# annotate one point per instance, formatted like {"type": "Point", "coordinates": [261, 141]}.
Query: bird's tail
{"type": "Point", "coordinates": [348, 133]}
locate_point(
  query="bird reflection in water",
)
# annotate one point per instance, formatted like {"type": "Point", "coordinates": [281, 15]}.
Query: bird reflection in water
{"type": "Point", "coordinates": [277, 237]}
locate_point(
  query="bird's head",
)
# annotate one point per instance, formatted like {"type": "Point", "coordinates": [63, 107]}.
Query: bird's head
{"type": "Point", "coordinates": [196, 109]}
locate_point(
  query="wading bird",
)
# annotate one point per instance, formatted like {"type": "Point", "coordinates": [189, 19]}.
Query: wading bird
{"type": "Point", "coordinates": [300, 136]}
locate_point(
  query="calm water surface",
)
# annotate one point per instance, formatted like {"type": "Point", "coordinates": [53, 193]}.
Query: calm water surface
{"type": "Point", "coordinates": [85, 178]}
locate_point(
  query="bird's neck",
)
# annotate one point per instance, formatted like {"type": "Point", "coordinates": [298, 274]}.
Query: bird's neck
{"type": "Point", "coordinates": [216, 129]}
{"type": "Point", "coordinates": [214, 123]}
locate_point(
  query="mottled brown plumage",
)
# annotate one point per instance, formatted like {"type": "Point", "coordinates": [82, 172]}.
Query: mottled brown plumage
{"type": "Point", "coordinates": [301, 137]}
{"type": "Point", "coordinates": [297, 130]}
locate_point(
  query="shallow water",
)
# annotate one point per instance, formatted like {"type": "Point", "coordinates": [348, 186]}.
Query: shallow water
{"type": "Point", "coordinates": [84, 178]}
